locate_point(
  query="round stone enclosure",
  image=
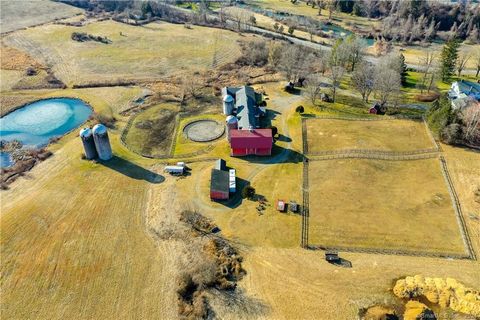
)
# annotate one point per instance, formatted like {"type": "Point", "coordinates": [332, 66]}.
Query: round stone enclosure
{"type": "Point", "coordinates": [204, 130]}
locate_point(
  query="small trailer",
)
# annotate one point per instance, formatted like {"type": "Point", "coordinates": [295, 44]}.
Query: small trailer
{"type": "Point", "coordinates": [175, 170]}
{"type": "Point", "coordinates": [232, 181]}
{"type": "Point", "coordinates": [281, 205]}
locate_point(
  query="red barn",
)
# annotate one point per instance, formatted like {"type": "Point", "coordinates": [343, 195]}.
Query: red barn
{"type": "Point", "coordinates": [251, 142]}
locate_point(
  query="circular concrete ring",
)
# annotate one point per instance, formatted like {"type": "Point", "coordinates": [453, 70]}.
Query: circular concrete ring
{"type": "Point", "coordinates": [204, 130]}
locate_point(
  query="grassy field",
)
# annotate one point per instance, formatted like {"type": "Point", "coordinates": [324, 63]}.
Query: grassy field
{"type": "Point", "coordinates": [74, 244]}
{"type": "Point", "coordinates": [389, 135]}
{"type": "Point", "coordinates": [244, 224]}
{"type": "Point", "coordinates": [21, 14]}
{"type": "Point", "coordinates": [403, 205]}
{"type": "Point", "coordinates": [108, 101]}
{"type": "Point", "coordinates": [140, 53]}
{"type": "Point", "coordinates": [151, 132]}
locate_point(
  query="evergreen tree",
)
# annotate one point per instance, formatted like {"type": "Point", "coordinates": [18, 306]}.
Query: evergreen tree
{"type": "Point", "coordinates": [449, 59]}
{"type": "Point", "coordinates": [403, 69]}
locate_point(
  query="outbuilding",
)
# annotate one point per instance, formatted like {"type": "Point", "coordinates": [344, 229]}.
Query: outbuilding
{"type": "Point", "coordinates": [219, 185]}
{"type": "Point", "coordinates": [251, 142]}
{"type": "Point", "coordinates": [281, 205]}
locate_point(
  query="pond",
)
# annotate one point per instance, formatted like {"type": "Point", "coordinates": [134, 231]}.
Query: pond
{"type": "Point", "coordinates": [38, 122]}
{"type": "Point", "coordinates": [5, 160]}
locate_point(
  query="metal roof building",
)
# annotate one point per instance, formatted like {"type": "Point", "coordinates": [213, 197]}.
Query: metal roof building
{"type": "Point", "coordinates": [247, 138]}
{"type": "Point", "coordinates": [219, 185]}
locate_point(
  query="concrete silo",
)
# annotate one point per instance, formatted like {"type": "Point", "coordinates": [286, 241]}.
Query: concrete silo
{"type": "Point", "coordinates": [228, 104]}
{"type": "Point", "coordinates": [102, 143]}
{"type": "Point", "coordinates": [232, 124]}
{"type": "Point", "coordinates": [88, 143]}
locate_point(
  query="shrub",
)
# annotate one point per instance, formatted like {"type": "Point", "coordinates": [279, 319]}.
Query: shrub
{"type": "Point", "coordinates": [452, 134]}
{"type": "Point", "coordinates": [108, 121]}
{"type": "Point", "coordinates": [300, 109]}
{"type": "Point", "coordinates": [248, 192]}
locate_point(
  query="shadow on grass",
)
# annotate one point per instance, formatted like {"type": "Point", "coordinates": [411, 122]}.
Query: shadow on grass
{"type": "Point", "coordinates": [284, 138]}
{"type": "Point", "coordinates": [132, 170]}
{"type": "Point", "coordinates": [235, 199]}
{"type": "Point", "coordinates": [279, 155]}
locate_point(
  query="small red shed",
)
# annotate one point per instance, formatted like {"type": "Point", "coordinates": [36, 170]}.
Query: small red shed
{"type": "Point", "coordinates": [251, 142]}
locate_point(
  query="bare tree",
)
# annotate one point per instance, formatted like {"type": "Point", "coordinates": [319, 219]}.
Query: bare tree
{"type": "Point", "coordinates": [313, 87]}
{"type": "Point", "coordinates": [387, 83]}
{"type": "Point", "coordinates": [471, 120]}
{"type": "Point", "coordinates": [363, 80]}
{"type": "Point", "coordinates": [311, 28]}
{"type": "Point", "coordinates": [353, 47]}
{"type": "Point", "coordinates": [190, 85]}
{"type": "Point", "coordinates": [274, 54]}
{"type": "Point", "coordinates": [426, 64]}
{"type": "Point", "coordinates": [477, 61]}
{"type": "Point", "coordinates": [335, 75]}
{"type": "Point", "coordinates": [462, 61]}
{"type": "Point", "coordinates": [292, 62]}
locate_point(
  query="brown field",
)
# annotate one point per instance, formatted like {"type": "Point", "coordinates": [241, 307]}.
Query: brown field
{"type": "Point", "coordinates": [402, 205]}
{"type": "Point", "coordinates": [21, 14]}
{"type": "Point", "coordinates": [150, 52]}
{"type": "Point", "coordinates": [82, 240]}
{"type": "Point", "coordinates": [388, 135]}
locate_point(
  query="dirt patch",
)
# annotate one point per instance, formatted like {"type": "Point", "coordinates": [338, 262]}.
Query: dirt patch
{"type": "Point", "coordinates": [212, 263]}
{"type": "Point", "coordinates": [14, 59]}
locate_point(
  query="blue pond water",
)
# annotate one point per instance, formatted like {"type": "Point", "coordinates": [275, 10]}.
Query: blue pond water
{"type": "Point", "coordinates": [36, 123]}
{"type": "Point", "coordinates": [5, 160]}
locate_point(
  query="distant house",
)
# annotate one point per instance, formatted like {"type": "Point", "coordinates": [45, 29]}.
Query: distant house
{"type": "Point", "coordinates": [462, 93]}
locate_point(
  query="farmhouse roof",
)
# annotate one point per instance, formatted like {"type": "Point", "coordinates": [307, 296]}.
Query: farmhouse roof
{"type": "Point", "coordinates": [219, 180]}
{"type": "Point", "coordinates": [258, 138]}
{"type": "Point", "coordinates": [247, 112]}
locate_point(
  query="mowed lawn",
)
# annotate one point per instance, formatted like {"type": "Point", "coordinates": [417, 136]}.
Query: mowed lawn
{"type": "Point", "coordinates": [401, 205]}
{"type": "Point", "coordinates": [74, 245]}
{"type": "Point", "coordinates": [151, 51]}
{"type": "Point", "coordinates": [20, 14]}
{"type": "Point", "coordinates": [388, 135]}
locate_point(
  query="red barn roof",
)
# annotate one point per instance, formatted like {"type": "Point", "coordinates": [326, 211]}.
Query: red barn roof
{"type": "Point", "coordinates": [258, 138]}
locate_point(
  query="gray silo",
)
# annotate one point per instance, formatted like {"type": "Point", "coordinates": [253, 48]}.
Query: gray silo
{"type": "Point", "coordinates": [88, 143]}
{"type": "Point", "coordinates": [102, 143]}
{"type": "Point", "coordinates": [232, 124]}
{"type": "Point", "coordinates": [228, 104]}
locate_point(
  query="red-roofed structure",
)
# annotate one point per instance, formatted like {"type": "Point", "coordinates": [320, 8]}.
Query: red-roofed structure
{"type": "Point", "coordinates": [251, 142]}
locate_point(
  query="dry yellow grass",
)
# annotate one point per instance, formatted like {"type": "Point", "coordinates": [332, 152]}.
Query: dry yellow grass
{"type": "Point", "coordinates": [300, 284]}
{"type": "Point", "coordinates": [402, 205]}
{"type": "Point", "coordinates": [150, 52]}
{"type": "Point", "coordinates": [391, 135]}
{"type": "Point", "coordinates": [74, 244]}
